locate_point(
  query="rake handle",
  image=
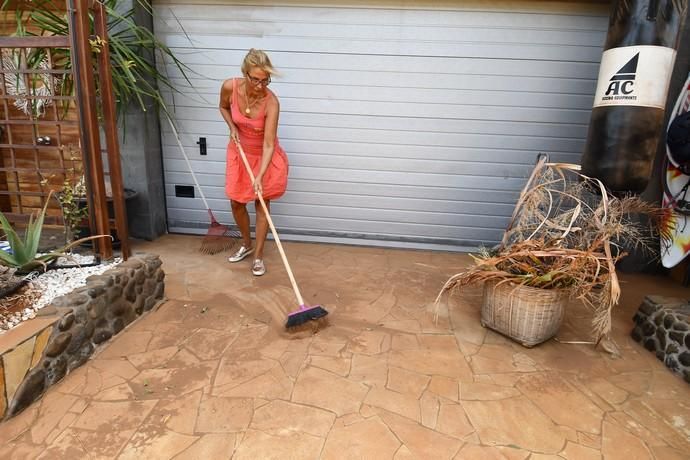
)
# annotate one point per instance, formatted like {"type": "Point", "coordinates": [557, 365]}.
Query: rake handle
{"type": "Point", "coordinates": [189, 165]}
{"type": "Point", "coordinates": [273, 228]}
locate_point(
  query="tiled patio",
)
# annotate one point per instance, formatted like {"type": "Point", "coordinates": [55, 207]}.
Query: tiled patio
{"type": "Point", "coordinates": [212, 375]}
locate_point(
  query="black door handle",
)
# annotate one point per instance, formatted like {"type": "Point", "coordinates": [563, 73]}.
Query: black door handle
{"type": "Point", "coordinates": [202, 145]}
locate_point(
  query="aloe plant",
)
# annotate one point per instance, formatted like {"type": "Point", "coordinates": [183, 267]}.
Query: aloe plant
{"type": "Point", "coordinates": [23, 254]}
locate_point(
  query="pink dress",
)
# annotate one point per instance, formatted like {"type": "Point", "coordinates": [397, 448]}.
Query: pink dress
{"type": "Point", "coordinates": [238, 185]}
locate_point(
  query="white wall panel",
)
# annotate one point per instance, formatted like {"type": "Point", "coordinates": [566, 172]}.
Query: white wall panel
{"type": "Point", "coordinates": [412, 123]}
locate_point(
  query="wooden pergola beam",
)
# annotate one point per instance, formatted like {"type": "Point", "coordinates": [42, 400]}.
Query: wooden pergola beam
{"type": "Point", "coordinates": [110, 127]}
{"type": "Point", "coordinates": [91, 145]}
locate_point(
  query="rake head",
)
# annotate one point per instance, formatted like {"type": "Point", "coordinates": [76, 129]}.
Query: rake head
{"type": "Point", "coordinates": [218, 238]}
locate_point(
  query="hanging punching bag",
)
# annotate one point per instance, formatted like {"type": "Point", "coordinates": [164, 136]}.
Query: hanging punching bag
{"type": "Point", "coordinates": [634, 75]}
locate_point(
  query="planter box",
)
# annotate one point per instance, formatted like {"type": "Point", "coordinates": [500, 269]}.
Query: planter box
{"type": "Point", "coordinates": [40, 352]}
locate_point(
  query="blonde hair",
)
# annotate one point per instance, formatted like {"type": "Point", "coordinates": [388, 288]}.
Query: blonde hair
{"type": "Point", "coordinates": [257, 58]}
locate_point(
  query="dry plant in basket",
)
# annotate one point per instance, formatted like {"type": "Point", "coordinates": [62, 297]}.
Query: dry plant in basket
{"type": "Point", "coordinates": [567, 232]}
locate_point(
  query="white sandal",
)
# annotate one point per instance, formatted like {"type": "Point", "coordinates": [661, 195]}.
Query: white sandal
{"type": "Point", "coordinates": [241, 253]}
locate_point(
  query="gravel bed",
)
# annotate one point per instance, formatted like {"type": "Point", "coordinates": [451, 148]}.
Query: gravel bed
{"type": "Point", "coordinates": [52, 284]}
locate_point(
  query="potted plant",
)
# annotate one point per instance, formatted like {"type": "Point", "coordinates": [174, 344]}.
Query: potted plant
{"type": "Point", "coordinates": [565, 237]}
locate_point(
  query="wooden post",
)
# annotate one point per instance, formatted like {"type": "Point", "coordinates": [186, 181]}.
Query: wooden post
{"type": "Point", "coordinates": [86, 100]}
{"type": "Point", "coordinates": [110, 128]}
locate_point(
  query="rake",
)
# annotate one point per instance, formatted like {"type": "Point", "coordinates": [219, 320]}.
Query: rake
{"type": "Point", "coordinates": [218, 237]}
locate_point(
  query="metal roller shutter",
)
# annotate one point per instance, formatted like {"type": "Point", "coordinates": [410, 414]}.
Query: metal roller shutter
{"type": "Point", "coordinates": [405, 126]}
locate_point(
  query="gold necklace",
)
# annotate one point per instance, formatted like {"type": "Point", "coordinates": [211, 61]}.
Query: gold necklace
{"type": "Point", "coordinates": [249, 106]}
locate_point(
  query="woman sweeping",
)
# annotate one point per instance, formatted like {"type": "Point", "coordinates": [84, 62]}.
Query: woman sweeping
{"type": "Point", "coordinates": [251, 111]}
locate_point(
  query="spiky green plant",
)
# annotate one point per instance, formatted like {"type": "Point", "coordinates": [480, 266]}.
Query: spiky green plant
{"type": "Point", "coordinates": [24, 252]}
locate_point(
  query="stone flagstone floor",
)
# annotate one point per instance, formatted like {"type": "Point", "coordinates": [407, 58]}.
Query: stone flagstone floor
{"type": "Point", "coordinates": [212, 375]}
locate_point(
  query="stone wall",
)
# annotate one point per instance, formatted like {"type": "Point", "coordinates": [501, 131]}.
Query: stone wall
{"type": "Point", "coordinates": [83, 319]}
{"type": "Point", "coordinates": [662, 326]}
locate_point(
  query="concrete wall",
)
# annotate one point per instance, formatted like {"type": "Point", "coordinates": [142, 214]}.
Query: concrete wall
{"type": "Point", "coordinates": [142, 168]}
{"type": "Point", "coordinates": [142, 164]}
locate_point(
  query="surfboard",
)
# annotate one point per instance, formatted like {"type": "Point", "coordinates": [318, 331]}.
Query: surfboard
{"type": "Point", "coordinates": [676, 196]}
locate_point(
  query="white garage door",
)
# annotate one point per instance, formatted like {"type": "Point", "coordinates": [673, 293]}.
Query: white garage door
{"type": "Point", "coordinates": [404, 126]}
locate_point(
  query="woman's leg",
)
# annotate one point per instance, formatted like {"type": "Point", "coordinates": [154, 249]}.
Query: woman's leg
{"type": "Point", "coordinates": [239, 212]}
{"type": "Point", "coordinates": [261, 228]}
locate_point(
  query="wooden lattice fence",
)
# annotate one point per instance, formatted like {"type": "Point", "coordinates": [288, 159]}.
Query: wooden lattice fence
{"type": "Point", "coordinates": [56, 103]}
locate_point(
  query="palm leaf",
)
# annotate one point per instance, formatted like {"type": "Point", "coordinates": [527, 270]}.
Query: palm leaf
{"type": "Point", "coordinates": [128, 43]}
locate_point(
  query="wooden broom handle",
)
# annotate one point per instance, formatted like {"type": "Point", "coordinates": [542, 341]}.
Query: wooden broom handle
{"type": "Point", "coordinates": [273, 229]}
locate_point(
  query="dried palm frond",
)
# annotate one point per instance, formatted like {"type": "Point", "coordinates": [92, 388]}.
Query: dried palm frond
{"type": "Point", "coordinates": [567, 232]}
{"type": "Point", "coordinates": [23, 298]}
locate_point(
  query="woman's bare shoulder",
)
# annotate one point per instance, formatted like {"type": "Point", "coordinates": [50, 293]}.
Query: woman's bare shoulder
{"type": "Point", "coordinates": [272, 100]}
{"type": "Point", "coordinates": [227, 85]}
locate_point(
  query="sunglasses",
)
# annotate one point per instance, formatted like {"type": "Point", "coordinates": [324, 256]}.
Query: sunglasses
{"type": "Point", "coordinates": [256, 81]}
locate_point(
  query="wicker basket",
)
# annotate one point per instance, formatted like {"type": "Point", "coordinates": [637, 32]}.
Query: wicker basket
{"type": "Point", "coordinates": [526, 314]}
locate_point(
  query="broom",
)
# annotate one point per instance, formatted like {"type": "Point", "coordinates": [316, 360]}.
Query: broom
{"type": "Point", "coordinates": [305, 313]}
{"type": "Point", "coordinates": [218, 237]}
